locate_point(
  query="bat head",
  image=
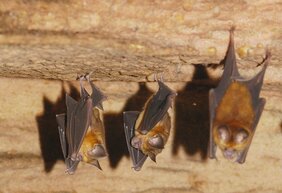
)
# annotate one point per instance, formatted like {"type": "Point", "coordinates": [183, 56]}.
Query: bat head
{"type": "Point", "coordinates": [149, 145]}
{"type": "Point", "coordinates": [231, 139]}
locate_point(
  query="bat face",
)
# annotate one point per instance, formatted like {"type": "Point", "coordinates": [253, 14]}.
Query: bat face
{"type": "Point", "coordinates": [147, 132]}
{"type": "Point", "coordinates": [231, 140]}
{"type": "Point", "coordinates": [81, 130]}
{"type": "Point", "coordinates": [235, 109]}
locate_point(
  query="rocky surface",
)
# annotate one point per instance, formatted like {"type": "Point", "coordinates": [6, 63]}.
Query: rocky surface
{"type": "Point", "coordinates": [131, 40]}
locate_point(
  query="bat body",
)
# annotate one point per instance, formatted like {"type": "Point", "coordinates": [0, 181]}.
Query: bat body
{"type": "Point", "coordinates": [235, 109]}
{"type": "Point", "coordinates": [147, 132]}
{"type": "Point", "coordinates": [81, 129]}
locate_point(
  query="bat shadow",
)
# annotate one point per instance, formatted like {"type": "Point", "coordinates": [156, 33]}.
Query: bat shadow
{"type": "Point", "coordinates": [114, 129]}
{"type": "Point", "coordinates": [48, 128]}
{"type": "Point", "coordinates": [192, 114]}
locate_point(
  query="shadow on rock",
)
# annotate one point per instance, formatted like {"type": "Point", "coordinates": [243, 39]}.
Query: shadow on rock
{"type": "Point", "coordinates": [192, 114]}
{"type": "Point", "coordinates": [115, 136]}
{"type": "Point", "coordinates": [48, 129]}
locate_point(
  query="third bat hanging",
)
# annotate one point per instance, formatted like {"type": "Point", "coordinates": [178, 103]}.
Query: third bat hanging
{"type": "Point", "coordinates": [235, 108]}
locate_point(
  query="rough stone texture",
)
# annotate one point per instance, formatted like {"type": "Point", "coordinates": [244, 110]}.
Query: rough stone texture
{"type": "Point", "coordinates": [129, 41]}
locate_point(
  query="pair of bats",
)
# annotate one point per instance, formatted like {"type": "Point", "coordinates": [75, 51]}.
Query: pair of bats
{"type": "Point", "coordinates": [82, 132]}
{"type": "Point", "coordinates": [235, 109]}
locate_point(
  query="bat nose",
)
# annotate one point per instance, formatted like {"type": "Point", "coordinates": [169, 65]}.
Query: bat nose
{"type": "Point", "coordinates": [230, 154]}
{"type": "Point", "coordinates": [98, 151]}
{"type": "Point", "coordinates": [157, 142]}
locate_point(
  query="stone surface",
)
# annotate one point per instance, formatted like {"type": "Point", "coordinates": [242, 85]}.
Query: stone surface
{"type": "Point", "coordinates": [131, 40]}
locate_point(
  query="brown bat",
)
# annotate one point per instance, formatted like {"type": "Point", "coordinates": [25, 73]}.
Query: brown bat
{"type": "Point", "coordinates": [235, 108]}
{"type": "Point", "coordinates": [81, 130]}
{"type": "Point", "coordinates": [147, 132]}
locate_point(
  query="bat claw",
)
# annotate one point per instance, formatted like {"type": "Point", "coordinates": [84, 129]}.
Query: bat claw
{"type": "Point", "coordinates": [161, 79]}
{"type": "Point", "coordinates": [85, 76]}
{"type": "Point", "coordinates": [265, 59]}
{"type": "Point", "coordinates": [136, 168]}
{"type": "Point", "coordinates": [155, 77]}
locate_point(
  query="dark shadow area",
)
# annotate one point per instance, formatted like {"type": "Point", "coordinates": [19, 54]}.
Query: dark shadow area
{"type": "Point", "coordinates": [48, 129]}
{"type": "Point", "coordinates": [115, 136]}
{"type": "Point", "coordinates": [192, 114]}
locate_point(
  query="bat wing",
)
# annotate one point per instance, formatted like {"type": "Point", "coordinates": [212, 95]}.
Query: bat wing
{"type": "Point", "coordinates": [230, 68]}
{"type": "Point", "coordinates": [61, 120]}
{"type": "Point", "coordinates": [212, 107]}
{"type": "Point", "coordinates": [156, 107]}
{"type": "Point", "coordinates": [258, 113]}
{"type": "Point", "coordinates": [71, 165]}
{"type": "Point", "coordinates": [97, 96]}
{"type": "Point", "coordinates": [78, 120]}
{"type": "Point", "coordinates": [254, 86]}
{"type": "Point", "coordinates": [138, 158]}
{"type": "Point", "coordinates": [255, 83]}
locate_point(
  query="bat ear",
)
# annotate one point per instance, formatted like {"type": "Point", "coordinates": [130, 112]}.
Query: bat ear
{"type": "Point", "coordinates": [96, 163]}
{"type": "Point", "coordinates": [153, 157]}
{"type": "Point", "coordinates": [98, 151]}
{"type": "Point", "coordinates": [157, 142]}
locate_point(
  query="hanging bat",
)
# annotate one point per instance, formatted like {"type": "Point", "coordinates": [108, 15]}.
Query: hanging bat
{"type": "Point", "coordinates": [81, 129]}
{"type": "Point", "coordinates": [235, 108]}
{"type": "Point", "coordinates": [147, 132]}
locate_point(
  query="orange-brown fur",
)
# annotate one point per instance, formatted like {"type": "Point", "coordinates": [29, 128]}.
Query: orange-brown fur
{"type": "Point", "coordinates": [162, 128]}
{"type": "Point", "coordinates": [235, 116]}
{"type": "Point", "coordinates": [94, 136]}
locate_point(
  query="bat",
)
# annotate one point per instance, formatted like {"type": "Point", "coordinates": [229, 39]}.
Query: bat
{"type": "Point", "coordinates": [235, 108]}
{"type": "Point", "coordinates": [147, 131]}
{"type": "Point", "coordinates": [81, 129]}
